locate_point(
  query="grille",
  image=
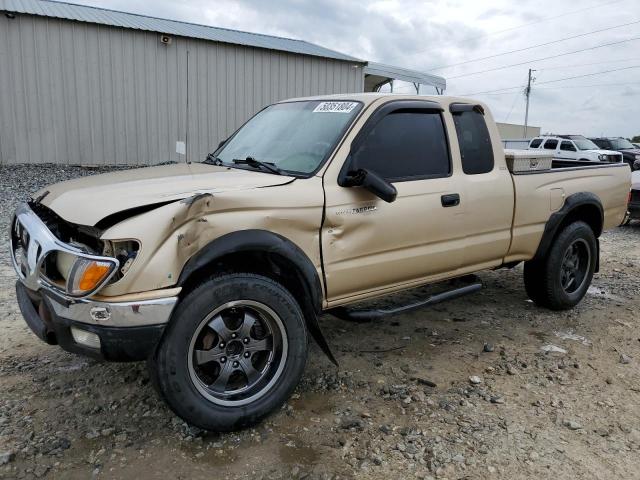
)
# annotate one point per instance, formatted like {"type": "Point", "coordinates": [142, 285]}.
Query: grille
{"type": "Point", "coordinates": [635, 196]}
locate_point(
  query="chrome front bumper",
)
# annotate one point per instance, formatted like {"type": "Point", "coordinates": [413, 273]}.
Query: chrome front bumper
{"type": "Point", "coordinates": [115, 314]}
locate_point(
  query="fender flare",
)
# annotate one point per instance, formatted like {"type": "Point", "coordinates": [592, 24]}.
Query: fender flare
{"type": "Point", "coordinates": [256, 240]}
{"type": "Point", "coordinates": [556, 219]}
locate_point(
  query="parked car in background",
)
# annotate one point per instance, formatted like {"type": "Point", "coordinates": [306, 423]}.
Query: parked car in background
{"type": "Point", "coordinates": [633, 210]}
{"type": "Point", "coordinates": [574, 147]}
{"type": "Point", "coordinates": [630, 152]}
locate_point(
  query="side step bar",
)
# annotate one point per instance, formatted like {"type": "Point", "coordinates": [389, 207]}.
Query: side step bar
{"type": "Point", "coordinates": [362, 316]}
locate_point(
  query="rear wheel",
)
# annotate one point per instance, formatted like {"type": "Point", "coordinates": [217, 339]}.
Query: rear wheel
{"type": "Point", "coordinates": [561, 280]}
{"type": "Point", "coordinates": [234, 351]}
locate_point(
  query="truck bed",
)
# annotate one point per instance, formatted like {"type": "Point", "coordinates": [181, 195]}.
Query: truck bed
{"type": "Point", "coordinates": [537, 194]}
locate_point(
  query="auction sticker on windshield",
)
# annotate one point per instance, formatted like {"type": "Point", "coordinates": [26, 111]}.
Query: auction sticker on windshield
{"type": "Point", "coordinates": [335, 107]}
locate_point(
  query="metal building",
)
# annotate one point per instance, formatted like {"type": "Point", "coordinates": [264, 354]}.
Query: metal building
{"type": "Point", "coordinates": [84, 85]}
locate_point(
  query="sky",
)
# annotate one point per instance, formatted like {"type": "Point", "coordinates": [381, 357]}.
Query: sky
{"type": "Point", "coordinates": [458, 35]}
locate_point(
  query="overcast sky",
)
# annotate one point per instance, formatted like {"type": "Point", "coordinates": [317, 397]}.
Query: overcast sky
{"type": "Point", "coordinates": [431, 34]}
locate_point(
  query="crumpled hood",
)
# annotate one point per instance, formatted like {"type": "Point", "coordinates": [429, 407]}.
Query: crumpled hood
{"type": "Point", "coordinates": [87, 200]}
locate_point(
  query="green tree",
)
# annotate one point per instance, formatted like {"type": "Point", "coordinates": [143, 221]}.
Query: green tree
{"type": "Point", "coordinates": [636, 139]}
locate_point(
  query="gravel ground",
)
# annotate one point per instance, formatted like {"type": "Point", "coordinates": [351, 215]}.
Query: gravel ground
{"type": "Point", "coordinates": [461, 390]}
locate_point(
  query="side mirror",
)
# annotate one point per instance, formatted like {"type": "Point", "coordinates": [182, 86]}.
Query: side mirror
{"type": "Point", "coordinates": [222, 142]}
{"type": "Point", "coordinates": [374, 183]}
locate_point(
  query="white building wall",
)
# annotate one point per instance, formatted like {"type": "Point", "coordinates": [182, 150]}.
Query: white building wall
{"type": "Point", "coordinates": [512, 131]}
{"type": "Point", "coordinates": [81, 93]}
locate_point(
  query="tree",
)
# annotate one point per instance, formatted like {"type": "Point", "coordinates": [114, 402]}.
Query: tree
{"type": "Point", "coordinates": [636, 139]}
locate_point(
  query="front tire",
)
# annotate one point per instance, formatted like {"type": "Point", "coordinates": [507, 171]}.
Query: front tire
{"type": "Point", "coordinates": [234, 351]}
{"type": "Point", "coordinates": [561, 280]}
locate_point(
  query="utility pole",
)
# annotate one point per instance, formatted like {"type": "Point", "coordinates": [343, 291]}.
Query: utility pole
{"type": "Point", "coordinates": [527, 94]}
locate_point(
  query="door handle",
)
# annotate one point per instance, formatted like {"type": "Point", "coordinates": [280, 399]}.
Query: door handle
{"type": "Point", "coordinates": [450, 200]}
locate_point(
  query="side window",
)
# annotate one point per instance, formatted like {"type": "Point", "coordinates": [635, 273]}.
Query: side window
{"type": "Point", "coordinates": [551, 144]}
{"type": "Point", "coordinates": [475, 143]}
{"type": "Point", "coordinates": [567, 146]}
{"type": "Point", "coordinates": [535, 143]}
{"type": "Point", "coordinates": [406, 145]}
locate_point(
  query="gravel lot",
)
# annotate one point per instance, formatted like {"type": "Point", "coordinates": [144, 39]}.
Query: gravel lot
{"type": "Point", "coordinates": [461, 390]}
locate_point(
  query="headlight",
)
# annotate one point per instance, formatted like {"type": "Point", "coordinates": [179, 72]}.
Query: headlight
{"type": "Point", "coordinates": [86, 275]}
{"type": "Point", "coordinates": [602, 157]}
{"type": "Point", "coordinates": [637, 157]}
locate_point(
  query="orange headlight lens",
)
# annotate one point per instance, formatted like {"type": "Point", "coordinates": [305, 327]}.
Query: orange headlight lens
{"type": "Point", "coordinates": [86, 275]}
{"type": "Point", "coordinates": [93, 275]}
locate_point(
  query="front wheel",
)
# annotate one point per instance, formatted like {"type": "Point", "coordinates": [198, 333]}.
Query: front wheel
{"type": "Point", "coordinates": [561, 280]}
{"type": "Point", "coordinates": [234, 351]}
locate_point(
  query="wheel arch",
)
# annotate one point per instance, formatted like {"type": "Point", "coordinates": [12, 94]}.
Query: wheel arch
{"type": "Point", "coordinates": [582, 206]}
{"type": "Point", "coordinates": [264, 253]}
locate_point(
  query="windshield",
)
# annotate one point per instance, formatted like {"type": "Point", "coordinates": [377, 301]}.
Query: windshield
{"type": "Point", "coordinates": [583, 143]}
{"type": "Point", "coordinates": [295, 136]}
{"type": "Point", "coordinates": [621, 144]}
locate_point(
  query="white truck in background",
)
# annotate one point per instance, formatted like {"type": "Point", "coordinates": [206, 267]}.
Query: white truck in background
{"type": "Point", "coordinates": [574, 148]}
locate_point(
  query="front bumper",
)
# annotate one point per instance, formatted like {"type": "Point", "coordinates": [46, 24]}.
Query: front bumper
{"type": "Point", "coordinates": [127, 331]}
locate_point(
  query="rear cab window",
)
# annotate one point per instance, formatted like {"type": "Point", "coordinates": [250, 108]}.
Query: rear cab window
{"type": "Point", "coordinates": [474, 140]}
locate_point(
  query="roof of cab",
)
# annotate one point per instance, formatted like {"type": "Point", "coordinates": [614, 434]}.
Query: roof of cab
{"type": "Point", "coordinates": [370, 97]}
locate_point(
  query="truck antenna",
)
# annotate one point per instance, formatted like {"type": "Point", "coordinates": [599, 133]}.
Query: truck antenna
{"type": "Point", "coordinates": [186, 132]}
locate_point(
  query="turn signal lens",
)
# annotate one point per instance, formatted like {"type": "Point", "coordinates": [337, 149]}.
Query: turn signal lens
{"type": "Point", "coordinates": [86, 275]}
{"type": "Point", "coordinates": [93, 275]}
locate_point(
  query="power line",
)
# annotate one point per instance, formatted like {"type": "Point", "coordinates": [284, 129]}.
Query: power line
{"type": "Point", "coordinates": [535, 46]}
{"type": "Point", "coordinates": [545, 19]}
{"type": "Point", "coordinates": [567, 86]}
{"type": "Point", "coordinates": [557, 80]}
{"type": "Point", "coordinates": [588, 64]}
{"type": "Point", "coordinates": [545, 58]}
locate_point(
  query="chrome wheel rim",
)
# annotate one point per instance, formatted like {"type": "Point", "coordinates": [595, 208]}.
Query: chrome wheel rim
{"type": "Point", "coordinates": [575, 266]}
{"type": "Point", "coordinates": [237, 353]}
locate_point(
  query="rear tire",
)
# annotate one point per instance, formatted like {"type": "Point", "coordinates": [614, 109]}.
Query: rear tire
{"type": "Point", "coordinates": [234, 351]}
{"type": "Point", "coordinates": [561, 279]}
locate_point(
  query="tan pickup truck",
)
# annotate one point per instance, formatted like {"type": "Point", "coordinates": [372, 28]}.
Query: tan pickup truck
{"type": "Point", "coordinates": [216, 272]}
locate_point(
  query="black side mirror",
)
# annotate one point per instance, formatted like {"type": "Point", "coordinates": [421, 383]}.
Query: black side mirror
{"type": "Point", "coordinates": [222, 142]}
{"type": "Point", "coordinates": [373, 182]}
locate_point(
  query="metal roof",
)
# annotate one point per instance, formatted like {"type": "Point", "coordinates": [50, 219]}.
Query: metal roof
{"type": "Point", "coordinates": [404, 74]}
{"type": "Point", "coordinates": [82, 13]}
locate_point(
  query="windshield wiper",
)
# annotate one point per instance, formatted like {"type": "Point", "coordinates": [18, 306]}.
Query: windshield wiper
{"type": "Point", "coordinates": [213, 160]}
{"type": "Point", "coordinates": [252, 162]}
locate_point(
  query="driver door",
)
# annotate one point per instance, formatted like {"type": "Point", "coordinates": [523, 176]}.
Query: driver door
{"type": "Point", "coordinates": [369, 245]}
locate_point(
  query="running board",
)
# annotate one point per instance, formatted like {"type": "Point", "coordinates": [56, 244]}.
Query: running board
{"type": "Point", "coordinates": [362, 316]}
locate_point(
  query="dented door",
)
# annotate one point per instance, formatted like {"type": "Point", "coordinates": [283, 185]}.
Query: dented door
{"type": "Point", "coordinates": [371, 245]}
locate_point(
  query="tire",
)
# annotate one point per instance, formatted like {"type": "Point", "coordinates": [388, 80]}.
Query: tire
{"type": "Point", "coordinates": [235, 349]}
{"type": "Point", "coordinates": [561, 280]}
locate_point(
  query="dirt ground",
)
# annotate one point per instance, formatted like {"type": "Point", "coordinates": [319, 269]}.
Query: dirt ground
{"type": "Point", "coordinates": [569, 414]}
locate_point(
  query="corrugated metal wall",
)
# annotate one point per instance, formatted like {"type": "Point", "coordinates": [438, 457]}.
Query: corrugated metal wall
{"type": "Point", "coordinates": [77, 93]}
{"type": "Point", "coordinates": [509, 131]}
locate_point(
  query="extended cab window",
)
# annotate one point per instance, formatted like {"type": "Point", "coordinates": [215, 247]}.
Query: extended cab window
{"type": "Point", "coordinates": [475, 143]}
{"type": "Point", "coordinates": [550, 144]}
{"type": "Point", "coordinates": [406, 145]}
{"type": "Point", "coordinates": [567, 146]}
{"type": "Point", "coordinates": [535, 143]}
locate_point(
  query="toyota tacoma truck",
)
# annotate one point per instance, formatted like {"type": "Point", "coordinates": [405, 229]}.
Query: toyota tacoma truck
{"type": "Point", "coordinates": [216, 272]}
